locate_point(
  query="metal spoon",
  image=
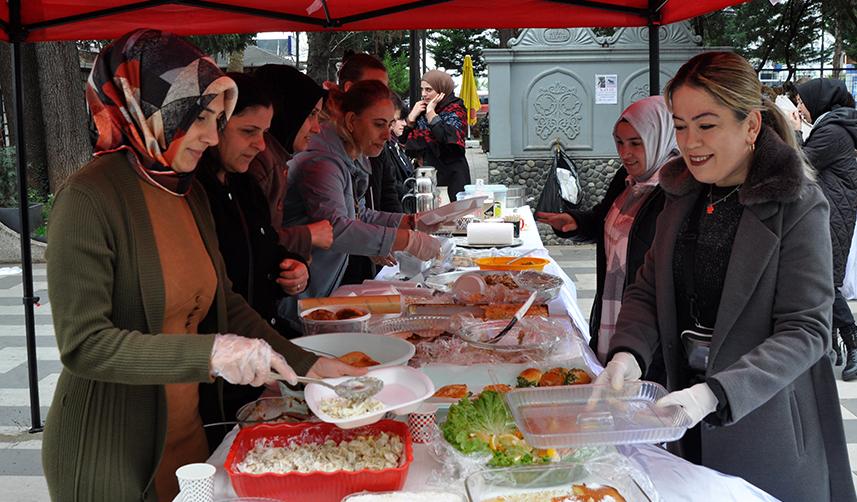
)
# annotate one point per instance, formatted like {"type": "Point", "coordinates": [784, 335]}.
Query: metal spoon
{"type": "Point", "coordinates": [525, 255]}
{"type": "Point", "coordinates": [353, 389]}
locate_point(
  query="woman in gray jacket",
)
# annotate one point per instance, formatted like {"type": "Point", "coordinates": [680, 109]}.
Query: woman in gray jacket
{"type": "Point", "coordinates": [736, 290]}
{"type": "Point", "coordinates": [327, 181]}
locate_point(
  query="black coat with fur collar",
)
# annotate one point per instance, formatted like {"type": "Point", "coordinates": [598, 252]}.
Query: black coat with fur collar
{"type": "Point", "coordinates": [778, 422]}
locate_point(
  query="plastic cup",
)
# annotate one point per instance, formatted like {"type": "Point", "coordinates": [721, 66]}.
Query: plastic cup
{"type": "Point", "coordinates": [196, 482]}
{"type": "Point", "coordinates": [420, 425]}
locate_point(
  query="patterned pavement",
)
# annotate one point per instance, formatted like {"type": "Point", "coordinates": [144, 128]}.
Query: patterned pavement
{"type": "Point", "coordinates": [21, 477]}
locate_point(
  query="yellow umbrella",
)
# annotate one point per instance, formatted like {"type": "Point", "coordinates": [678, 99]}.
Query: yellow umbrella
{"type": "Point", "coordinates": [468, 91]}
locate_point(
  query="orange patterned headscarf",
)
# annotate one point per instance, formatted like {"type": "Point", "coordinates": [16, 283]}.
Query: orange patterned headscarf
{"type": "Point", "coordinates": [144, 92]}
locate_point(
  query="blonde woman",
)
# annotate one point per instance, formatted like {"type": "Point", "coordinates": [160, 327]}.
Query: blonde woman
{"type": "Point", "coordinates": [736, 290]}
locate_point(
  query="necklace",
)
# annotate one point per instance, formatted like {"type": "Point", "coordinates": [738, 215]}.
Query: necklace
{"type": "Point", "coordinates": [709, 209]}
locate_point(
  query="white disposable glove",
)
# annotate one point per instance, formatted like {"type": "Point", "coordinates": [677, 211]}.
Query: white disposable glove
{"type": "Point", "coordinates": [697, 401]}
{"type": "Point", "coordinates": [622, 368]}
{"type": "Point", "coordinates": [422, 226]}
{"type": "Point", "coordinates": [423, 246]}
{"type": "Point", "coordinates": [242, 361]}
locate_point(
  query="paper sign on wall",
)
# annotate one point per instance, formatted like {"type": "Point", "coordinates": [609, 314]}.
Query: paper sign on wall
{"type": "Point", "coordinates": [606, 89]}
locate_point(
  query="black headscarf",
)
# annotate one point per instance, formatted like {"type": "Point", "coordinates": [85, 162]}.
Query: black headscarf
{"type": "Point", "coordinates": [821, 95]}
{"type": "Point", "coordinates": [294, 95]}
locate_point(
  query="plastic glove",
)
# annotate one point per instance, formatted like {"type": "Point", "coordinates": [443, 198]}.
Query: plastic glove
{"type": "Point", "coordinates": [383, 261]}
{"type": "Point", "coordinates": [697, 401]}
{"type": "Point", "coordinates": [242, 361]}
{"type": "Point", "coordinates": [423, 246]}
{"type": "Point", "coordinates": [622, 368]}
{"type": "Point", "coordinates": [421, 226]}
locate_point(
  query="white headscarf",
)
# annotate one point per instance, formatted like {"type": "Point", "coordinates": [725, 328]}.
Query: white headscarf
{"type": "Point", "coordinates": [654, 123]}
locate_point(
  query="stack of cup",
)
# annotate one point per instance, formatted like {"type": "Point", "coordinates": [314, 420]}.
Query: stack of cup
{"type": "Point", "coordinates": [196, 482]}
{"type": "Point", "coordinates": [421, 426]}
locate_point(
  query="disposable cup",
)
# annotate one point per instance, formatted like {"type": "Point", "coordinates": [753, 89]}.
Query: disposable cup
{"type": "Point", "coordinates": [196, 482]}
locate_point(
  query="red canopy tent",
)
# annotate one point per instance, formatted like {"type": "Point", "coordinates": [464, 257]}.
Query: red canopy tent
{"type": "Point", "coordinates": [50, 20]}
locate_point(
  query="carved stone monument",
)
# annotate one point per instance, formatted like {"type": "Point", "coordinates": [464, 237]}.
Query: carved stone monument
{"type": "Point", "coordinates": [569, 86]}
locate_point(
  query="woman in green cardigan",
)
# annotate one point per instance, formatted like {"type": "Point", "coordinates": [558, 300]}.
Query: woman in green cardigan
{"type": "Point", "coordinates": [142, 306]}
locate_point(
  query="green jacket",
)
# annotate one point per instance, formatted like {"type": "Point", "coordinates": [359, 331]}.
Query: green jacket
{"type": "Point", "coordinates": [104, 434]}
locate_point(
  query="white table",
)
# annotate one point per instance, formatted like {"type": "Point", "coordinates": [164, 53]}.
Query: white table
{"type": "Point", "coordinates": [674, 478]}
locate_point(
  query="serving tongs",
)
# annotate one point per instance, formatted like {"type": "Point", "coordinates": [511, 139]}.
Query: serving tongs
{"type": "Point", "coordinates": [354, 389]}
{"type": "Point", "coordinates": [517, 317]}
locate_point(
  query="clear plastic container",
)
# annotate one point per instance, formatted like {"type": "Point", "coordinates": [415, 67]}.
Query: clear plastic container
{"type": "Point", "coordinates": [354, 325]}
{"type": "Point", "coordinates": [530, 335]}
{"type": "Point", "coordinates": [592, 415]}
{"type": "Point", "coordinates": [419, 324]}
{"type": "Point", "coordinates": [282, 409]}
{"type": "Point", "coordinates": [549, 482]}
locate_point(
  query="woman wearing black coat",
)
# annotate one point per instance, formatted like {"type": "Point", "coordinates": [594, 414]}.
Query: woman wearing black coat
{"type": "Point", "coordinates": [623, 224]}
{"type": "Point", "coordinates": [830, 148]}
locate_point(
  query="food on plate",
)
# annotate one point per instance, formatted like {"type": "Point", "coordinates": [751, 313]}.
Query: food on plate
{"type": "Point", "coordinates": [453, 391]}
{"type": "Point", "coordinates": [529, 377]}
{"type": "Point", "coordinates": [349, 313]}
{"type": "Point", "coordinates": [578, 493]}
{"type": "Point", "coordinates": [554, 377]}
{"type": "Point", "coordinates": [421, 336]}
{"type": "Point", "coordinates": [485, 425]}
{"type": "Point", "coordinates": [504, 280]}
{"type": "Point", "coordinates": [534, 377]}
{"type": "Point", "coordinates": [321, 315]}
{"type": "Point", "coordinates": [577, 376]}
{"type": "Point", "coordinates": [499, 387]}
{"type": "Point", "coordinates": [597, 493]}
{"type": "Point", "coordinates": [382, 451]}
{"type": "Point", "coordinates": [405, 497]}
{"type": "Point", "coordinates": [337, 407]}
{"type": "Point", "coordinates": [358, 359]}
{"type": "Point", "coordinates": [506, 311]}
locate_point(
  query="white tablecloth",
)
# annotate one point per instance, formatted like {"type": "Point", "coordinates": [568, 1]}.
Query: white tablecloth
{"type": "Point", "coordinates": [674, 478]}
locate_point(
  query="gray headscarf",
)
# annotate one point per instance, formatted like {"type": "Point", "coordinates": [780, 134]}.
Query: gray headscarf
{"type": "Point", "coordinates": [654, 123]}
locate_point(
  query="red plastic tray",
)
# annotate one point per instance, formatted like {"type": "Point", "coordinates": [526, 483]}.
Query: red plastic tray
{"type": "Point", "coordinates": [315, 486]}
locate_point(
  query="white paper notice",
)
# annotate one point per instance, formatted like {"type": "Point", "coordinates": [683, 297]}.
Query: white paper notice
{"type": "Point", "coordinates": [606, 89]}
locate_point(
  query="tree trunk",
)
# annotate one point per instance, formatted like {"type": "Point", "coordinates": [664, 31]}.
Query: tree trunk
{"type": "Point", "coordinates": [506, 35]}
{"type": "Point", "coordinates": [319, 56]}
{"type": "Point", "coordinates": [34, 128]}
{"type": "Point", "coordinates": [837, 48]}
{"type": "Point", "coordinates": [236, 61]}
{"type": "Point", "coordinates": [64, 114]}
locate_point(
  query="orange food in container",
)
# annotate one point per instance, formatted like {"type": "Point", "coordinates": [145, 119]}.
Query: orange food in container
{"type": "Point", "coordinates": [315, 486]}
{"type": "Point", "coordinates": [501, 263]}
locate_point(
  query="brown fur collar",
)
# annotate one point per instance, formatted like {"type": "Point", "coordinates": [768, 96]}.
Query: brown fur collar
{"type": "Point", "coordinates": [776, 175]}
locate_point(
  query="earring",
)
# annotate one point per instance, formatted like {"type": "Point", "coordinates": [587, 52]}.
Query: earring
{"type": "Point", "coordinates": [753, 146]}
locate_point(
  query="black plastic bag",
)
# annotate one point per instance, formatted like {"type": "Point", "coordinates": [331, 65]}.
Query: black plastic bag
{"type": "Point", "coordinates": [562, 190]}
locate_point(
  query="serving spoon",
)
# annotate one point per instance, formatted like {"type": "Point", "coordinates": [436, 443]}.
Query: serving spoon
{"type": "Point", "coordinates": [354, 389]}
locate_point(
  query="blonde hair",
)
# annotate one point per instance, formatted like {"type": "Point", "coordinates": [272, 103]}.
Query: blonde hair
{"type": "Point", "coordinates": [357, 99]}
{"type": "Point", "coordinates": [733, 82]}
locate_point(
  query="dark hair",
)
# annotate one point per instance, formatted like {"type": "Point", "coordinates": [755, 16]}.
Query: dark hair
{"type": "Point", "coordinates": [251, 92]}
{"type": "Point", "coordinates": [354, 64]}
{"type": "Point", "coordinates": [398, 104]}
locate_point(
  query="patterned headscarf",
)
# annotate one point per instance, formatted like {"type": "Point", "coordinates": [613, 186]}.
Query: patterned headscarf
{"type": "Point", "coordinates": [144, 92]}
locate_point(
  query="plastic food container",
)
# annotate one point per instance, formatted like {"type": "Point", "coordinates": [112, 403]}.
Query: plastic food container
{"type": "Point", "coordinates": [529, 336]}
{"type": "Point", "coordinates": [386, 350]}
{"type": "Point", "coordinates": [591, 415]}
{"type": "Point", "coordinates": [498, 192]}
{"type": "Point", "coordinates": [551, 481]}
{"type": "Point", "coordinates": [418, 324]}
{"type": "Point", "coordinates": [404, 389]}
{"type": "Point", "coordinates": [500, 263]}
{"type": "Point", "coordinates": [355, 324]}
{"type": "Point", "coordinates": [283, 409]}
{"type": "Point", "coordinates": [314, 486]}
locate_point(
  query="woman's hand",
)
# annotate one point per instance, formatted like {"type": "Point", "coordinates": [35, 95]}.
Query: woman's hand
{"type": "Point", "coordinates": [795, 120]}
{"type": "Point", "coordinates": [383, 261]}
{"type": "Point", "coordinates": [247, 361]}
{"type": "Point", "coordinates": [430, 107]}
{"type": "Point", "coordinates": [328, 368]}
{"type": "Point", "coordinates": [293, 276]}
{"type": "Point", "coordinates": [418, 110]}
{"type": "Point", "coordinates": [562, 222]}
{"type": "Point", "coordinates": [697, 401]}
{"type": "Point", "coordinates": [321, 233]}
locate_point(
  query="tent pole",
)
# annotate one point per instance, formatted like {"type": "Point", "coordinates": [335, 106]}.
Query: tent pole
{"type": "Point", "coordinates": [414, 62]}
{"type": "Point", "coordinates": [654, 49]}
{"type": "Point", "coordinates": [17, 36]}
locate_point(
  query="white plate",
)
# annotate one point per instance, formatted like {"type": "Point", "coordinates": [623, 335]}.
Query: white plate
{"type": "Point", "coordinates": [404, 389]}
{"type": "Point", "coordinates": [451, 211]}
{"type": "Point", "coordinates": [387, 350]}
